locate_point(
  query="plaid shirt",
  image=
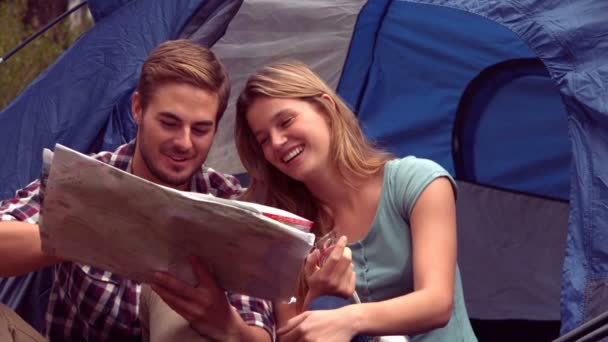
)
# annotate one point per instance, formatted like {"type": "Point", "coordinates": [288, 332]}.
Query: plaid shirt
{"type": "Point", "coordinates": [90, 304]}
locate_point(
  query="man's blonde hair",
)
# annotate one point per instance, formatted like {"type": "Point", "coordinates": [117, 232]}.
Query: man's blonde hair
{"type": "Point", "coordinates": [184, 61]}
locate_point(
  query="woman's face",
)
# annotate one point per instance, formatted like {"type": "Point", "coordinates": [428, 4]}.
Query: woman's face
{"type": "Point", "coordinates": [293, 135]}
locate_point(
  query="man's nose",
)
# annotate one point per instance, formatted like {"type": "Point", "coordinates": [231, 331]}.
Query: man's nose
{"type": "Point", "coordinates": [184, 139]}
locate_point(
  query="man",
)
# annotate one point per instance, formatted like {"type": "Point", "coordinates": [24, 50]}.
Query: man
{"type": "Point", "coordinates": [181, 96]}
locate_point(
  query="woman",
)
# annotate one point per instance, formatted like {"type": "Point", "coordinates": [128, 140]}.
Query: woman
{"type": "Point", "coordinates": [305, 153]}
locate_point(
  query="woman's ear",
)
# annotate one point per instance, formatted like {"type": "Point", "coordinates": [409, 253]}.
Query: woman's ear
{"type": "Point", "coordinates": [329, 100]}
{"type": "Point", "coordinates": [330, 103]}
{"type": "Point", "coordinates": [136, 109]}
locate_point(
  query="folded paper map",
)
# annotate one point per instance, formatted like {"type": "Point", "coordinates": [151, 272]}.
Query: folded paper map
{"type": "Point", "coordinates": [101, 216]}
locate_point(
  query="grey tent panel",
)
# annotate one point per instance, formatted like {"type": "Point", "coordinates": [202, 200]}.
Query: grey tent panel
{"type": "Point", "coordinates": [510, 253]}
{"type": "Point", "coordinates": [317, 33]}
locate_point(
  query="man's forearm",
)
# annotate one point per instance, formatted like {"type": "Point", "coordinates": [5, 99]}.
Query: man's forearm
{"type": "Point", "coordinates": [20, 249]}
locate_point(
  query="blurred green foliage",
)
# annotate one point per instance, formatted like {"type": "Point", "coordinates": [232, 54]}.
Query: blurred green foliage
{"type": "Point", "coordinates": [24, 66]}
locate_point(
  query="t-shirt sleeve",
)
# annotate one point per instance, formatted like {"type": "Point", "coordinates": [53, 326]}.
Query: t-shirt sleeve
{"type": "Point", "coordinates": [408, 177]}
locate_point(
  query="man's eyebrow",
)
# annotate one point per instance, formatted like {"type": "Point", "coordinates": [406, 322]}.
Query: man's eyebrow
{"type": "Point", "coordinates": [204, 123]}
{"type": "Point", "coordinates": [169, 115]}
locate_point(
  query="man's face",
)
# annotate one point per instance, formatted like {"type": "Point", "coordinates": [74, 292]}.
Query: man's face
{"type": "Point", "coordinates": [175, 133]}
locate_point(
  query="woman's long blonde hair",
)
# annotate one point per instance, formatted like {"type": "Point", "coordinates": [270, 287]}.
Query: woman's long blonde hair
{"type": "Point", "coordinates": [353, 156]}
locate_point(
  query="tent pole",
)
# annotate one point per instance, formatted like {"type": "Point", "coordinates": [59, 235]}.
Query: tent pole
{"type": "Point", "coordinates": [41, 31]}
{"type": "Point", "coordinates": [595, 328]}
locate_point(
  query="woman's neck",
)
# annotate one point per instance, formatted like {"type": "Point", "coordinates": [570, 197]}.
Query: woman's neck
{"type": "Point", "coordinates": [334, 190]}
{"type": "Point", "coordinates": [353, 206]}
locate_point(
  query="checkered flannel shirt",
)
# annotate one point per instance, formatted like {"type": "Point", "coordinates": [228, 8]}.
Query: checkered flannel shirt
{"type": "Point", "coordinates": [90, 304]}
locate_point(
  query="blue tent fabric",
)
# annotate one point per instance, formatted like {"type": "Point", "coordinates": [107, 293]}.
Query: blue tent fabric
{"type": "Point", "coordinates": [569, 38]}
{"type": "Point", "coordinates": [361, 53]}
{"type": "Point", "coordinates": [87, 89]}
{"type": "Point", "coordinates": [406, 91]}
{"type": "Point", "coordinates": [512, 124]}
{"type": "Point", "coordinates": [103, 8]}
{"type": "Point", "coordinates": [562, 34]}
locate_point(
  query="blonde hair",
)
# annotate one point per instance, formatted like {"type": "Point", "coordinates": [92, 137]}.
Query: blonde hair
{"type": "Point", "coordinates": [352, 154]}
{"type": "Point", "coordinates": [184, 61]}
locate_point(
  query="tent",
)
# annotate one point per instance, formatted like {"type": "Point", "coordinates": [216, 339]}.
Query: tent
{"type": "Point", "coordinates": [509, 96]}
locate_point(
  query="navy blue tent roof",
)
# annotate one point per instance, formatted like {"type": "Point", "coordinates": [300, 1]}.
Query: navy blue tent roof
{"type": "Point", "coordinates": [423, 60]}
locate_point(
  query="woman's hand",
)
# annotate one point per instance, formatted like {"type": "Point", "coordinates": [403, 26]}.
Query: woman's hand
{"type": "Point", "coordinates": [323, 325]}
{"type": "Point", "coordinates": [335, 277]}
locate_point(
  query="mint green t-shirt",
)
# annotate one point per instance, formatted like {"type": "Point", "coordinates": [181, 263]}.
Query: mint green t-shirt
{"type": "Point", "coordinates": [383, 258]}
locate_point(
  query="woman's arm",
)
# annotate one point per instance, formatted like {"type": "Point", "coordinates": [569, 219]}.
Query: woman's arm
{"type": "Point", "coordinates": [429, 306]}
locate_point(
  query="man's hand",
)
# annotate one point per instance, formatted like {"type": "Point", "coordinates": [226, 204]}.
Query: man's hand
{"type": "Point", "coordinates": [204, 306]}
